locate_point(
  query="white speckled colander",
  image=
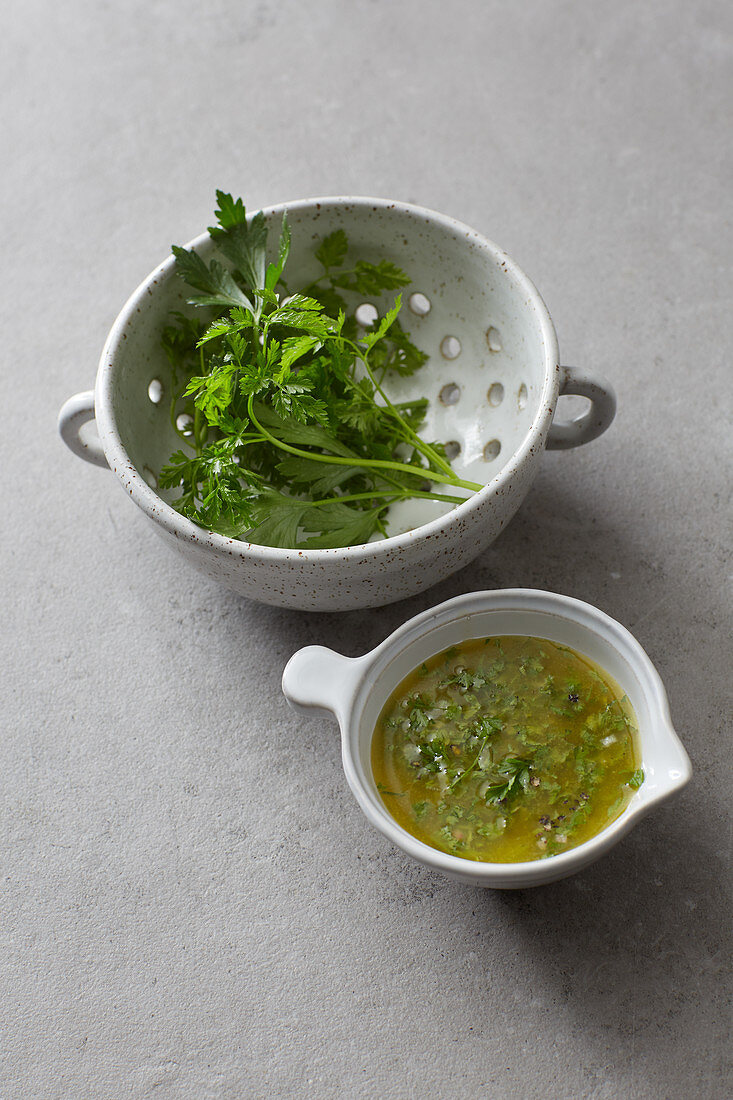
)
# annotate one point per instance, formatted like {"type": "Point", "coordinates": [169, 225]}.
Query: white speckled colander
{"type": "Point", "coordinates": [493, 380]}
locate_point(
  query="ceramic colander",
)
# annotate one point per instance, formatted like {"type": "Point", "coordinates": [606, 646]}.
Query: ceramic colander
{"type": "Point", "coordinates": [493, 380]}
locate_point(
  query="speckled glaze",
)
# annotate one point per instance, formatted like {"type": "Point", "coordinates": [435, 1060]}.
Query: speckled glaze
{"type": "Point", "coordinates": [354, 690]}
{"type": "Point", "coordinates": [507, 340]}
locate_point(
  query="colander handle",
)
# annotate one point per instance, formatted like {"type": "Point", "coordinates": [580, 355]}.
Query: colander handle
{"type": "Point", "coordinates": [571, 433]}
{"type": "Point", "coordinates": [74, 414]}
{"type": "Point", "coordinates": [318, 681]}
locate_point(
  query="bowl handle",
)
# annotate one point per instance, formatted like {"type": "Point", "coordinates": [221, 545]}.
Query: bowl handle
{"type": "Point", "coordinates": [74, 414]}
{"type": "Point", "coordinates": [570, 433]}
{"type": "Point", "coordinates": [318, 681]}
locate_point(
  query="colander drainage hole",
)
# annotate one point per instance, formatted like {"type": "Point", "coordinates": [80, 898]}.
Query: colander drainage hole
{"type": "Point", "coordinates": [452, 449]}
{"type": "Point", "coordinates": [522, 396]}
{"type": "Point", "coordinates": [150, 477]}
{"type": "Point", "coordinates": [184, 423]}
{"type": "Point", "coordinates": [450, 347]}
{"type": "Point", "coordinates": [496, 394]}
{"type": "Point", "coordinates": [419, 304]}
{"type": "Point", "coordinates": [366, 314]}
{"type": "Point", "coordinates": [493, 339]}
{"type": "Point", "coordinates": [155, 391]}
{"type": "Point", "coordinates": [450, 394]}
{"type": "Point", "coordinates": [491, 450]}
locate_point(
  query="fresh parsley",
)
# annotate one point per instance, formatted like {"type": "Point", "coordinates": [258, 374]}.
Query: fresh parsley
{"type": "Point", "coordinates": [288, 436]}
{"type": "Point", "coordinates": [514, 772]}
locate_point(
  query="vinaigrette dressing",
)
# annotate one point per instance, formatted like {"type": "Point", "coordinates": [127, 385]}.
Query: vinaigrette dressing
{"type": "Point", "coordinates": [505, 750]}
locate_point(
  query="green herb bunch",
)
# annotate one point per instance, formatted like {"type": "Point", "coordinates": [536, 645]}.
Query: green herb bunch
{"type": "Point", "coordinates": [290, 438]}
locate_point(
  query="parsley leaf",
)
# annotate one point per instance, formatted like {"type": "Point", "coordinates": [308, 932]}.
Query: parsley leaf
{"type": "Point", "coordinates": [216, 283]}
{"type": "Point", "coordinates": [230, 212]}
{"type": "Point", "coordinates": [332, 250]}
{"type": "Point", "coordinates": [637, 779]}
{"type": "Point", "coordinates": [515, 773]}
{"type": "Point", "coordinates": [373, 337]}
{"type": "Point", "coordinates": [242, 241]}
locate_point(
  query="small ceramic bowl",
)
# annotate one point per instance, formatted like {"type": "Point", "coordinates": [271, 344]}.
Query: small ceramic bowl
{"type": "Point", "coordinates": [355, 689]}
{"type": "Point", "coordinates": [493, 381]}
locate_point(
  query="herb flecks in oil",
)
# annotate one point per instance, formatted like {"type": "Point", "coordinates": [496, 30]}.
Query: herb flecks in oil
{"type": "Point", "coordinates": [506, 749]}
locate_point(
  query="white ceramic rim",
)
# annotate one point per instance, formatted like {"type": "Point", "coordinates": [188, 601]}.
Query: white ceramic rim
{"type": "Point", "coordinates": [588, 618]}
{"type": "Point", "coordinates": [166, 516]}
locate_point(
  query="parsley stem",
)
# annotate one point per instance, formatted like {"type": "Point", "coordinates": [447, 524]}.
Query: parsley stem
{"type": "Point", "coordinates": [187, 439]}
{"type": "Point", "coordinates": [468, 770]}
{"type": "Point", "coordinates": [424, 448]}
{"type": "Point", "coordinates": [327, 275]}
{"type": "Point", "coordinates": [388, 495]}
{"type": "Point", "coordinates": [365, 463]}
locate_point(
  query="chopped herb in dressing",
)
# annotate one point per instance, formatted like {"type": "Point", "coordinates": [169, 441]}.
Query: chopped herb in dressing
{"type": "Point", "coordinates": [506, 749]}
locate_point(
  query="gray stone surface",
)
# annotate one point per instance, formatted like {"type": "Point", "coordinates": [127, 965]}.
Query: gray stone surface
{"type": "Point", "coordinates": [192, 903]}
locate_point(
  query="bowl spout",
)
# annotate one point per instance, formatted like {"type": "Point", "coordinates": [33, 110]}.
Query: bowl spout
{"type": "Point", "coordinates": [678, 770]}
